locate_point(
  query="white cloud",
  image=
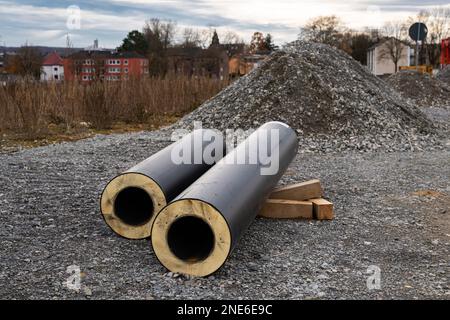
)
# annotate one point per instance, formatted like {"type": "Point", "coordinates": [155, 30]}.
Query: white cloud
{"type": "Point", "coordinates": [282, 18]}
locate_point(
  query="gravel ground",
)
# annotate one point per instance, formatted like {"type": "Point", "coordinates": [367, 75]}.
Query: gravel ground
{"type": "Point", "coordinates": [392, 211]}
{"type": "Point", "coordinates": [444, 75]}
{"type": "Point", "coordinates": [421, 89]}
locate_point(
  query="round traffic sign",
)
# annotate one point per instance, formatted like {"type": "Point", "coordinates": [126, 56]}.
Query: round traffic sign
{"type": "Point", "coordinates": [418, 31]}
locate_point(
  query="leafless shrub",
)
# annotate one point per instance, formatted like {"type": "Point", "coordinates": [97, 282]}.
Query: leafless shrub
{"type": "Point", "coordinates": [29, 107]}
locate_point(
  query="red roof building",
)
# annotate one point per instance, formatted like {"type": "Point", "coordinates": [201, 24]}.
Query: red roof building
{"type": "Point", "coordinates": [53, 59]}
{"type": "Point", "coordinates": [52, 68]}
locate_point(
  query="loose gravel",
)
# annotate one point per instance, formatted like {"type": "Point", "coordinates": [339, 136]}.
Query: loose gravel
{"type": "Point", "coordinates": [421, 89]}
{"type": "Point", "coordinates": [392, 213]}
{"type": "Point", "coordinates": [444, 75]}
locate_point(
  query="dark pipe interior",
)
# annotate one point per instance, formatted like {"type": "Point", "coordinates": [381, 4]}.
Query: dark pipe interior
{"type": "Point", "coordinates": [133, 206]}
{"type": "Point", "coordinates": [190, 239]}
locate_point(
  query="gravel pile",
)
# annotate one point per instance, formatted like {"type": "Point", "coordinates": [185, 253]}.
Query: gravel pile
{"type": "Point", "coordinates": [444, 75]}
{"type": "Point", "coordinates": [421, 89]}
{"type": "Point", "coordinates": [333, 102]}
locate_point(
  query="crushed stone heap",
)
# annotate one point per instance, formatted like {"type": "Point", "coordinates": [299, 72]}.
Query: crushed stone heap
{"type": "Point", "coordinates": [421, 89]}
{"type": "Point", "coordinates": [444, 75]}
{"type": "Point", "coordinates": [334, 103]}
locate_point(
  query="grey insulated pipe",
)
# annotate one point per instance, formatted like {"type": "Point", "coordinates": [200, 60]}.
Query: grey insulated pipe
{"type": "Point", "coordinates": [198, 230]}
{"type": "Point", "coordinates": [130, 202]}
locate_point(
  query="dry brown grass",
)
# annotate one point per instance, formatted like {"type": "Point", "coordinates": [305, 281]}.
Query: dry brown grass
{"type": "Point", "coordinates": [30, 108]}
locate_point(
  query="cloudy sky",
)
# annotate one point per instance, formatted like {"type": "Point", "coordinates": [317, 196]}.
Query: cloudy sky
{"type": "Point", "coordinates": [48, 22]}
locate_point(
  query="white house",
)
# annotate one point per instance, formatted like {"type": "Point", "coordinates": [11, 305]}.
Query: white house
{"type": "Point", "coordinates": [379, 61]}
{"type": "Point", "coordinates": [53, 68]}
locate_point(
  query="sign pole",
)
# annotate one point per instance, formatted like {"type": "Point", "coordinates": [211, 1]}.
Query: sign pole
{"type": "Point", "coordinates": [417, 46]}
{"type": "Point", "coordinates": [418, 32]}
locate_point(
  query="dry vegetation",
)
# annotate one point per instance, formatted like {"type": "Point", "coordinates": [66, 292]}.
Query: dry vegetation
{"type": "Point", "coordinates": [32, 110]}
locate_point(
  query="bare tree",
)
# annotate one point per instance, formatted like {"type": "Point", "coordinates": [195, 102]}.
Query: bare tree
{"type": "Point", "coordinates": [191, 38]}
{"type": "Point", "coordinates": [159, 36]}
{"type": "Point", "coordinates": [205, 36]}
{"type": "Point", "coordinates": [230, 37]}
{"type": "Point", "coordinates": [439, 23]}
{"type": "Point", "coordinates": [396, 29]}
{"type": "Point", "coordinates": [168, 32]}
{"type": "Point", "coordinates": [394, 45]}
{"type": "Point", "coordinates": [27, 62]}
{"type": "Point", "coordinates": [324, 29]}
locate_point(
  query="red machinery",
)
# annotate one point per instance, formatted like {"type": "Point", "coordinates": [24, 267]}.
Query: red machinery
{"type": "Point", "coordinates": [445, 52]}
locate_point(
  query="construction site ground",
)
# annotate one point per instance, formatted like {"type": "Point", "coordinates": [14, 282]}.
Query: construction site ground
{"type": "Point", "coordinates": [392, 218]}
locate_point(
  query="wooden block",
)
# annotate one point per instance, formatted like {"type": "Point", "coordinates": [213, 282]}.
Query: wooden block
{"type": "Point", "coordinates": [287, 209]}
{"type": "Point", "coordinates": [299, 192]}
{"type": "Point", "coordinates": [323, 209]}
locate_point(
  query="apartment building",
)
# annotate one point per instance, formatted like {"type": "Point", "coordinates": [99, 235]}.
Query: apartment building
{"type": "Point", "coordinates": [87, 66]}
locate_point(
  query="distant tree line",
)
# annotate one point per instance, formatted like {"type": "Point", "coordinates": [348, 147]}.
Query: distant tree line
{"type": "Point", "coordinates": [158, 36]}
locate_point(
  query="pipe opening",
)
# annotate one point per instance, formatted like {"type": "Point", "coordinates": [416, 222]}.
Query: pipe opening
{"type": "Point", "coordinates": [133, 206]}
{"type": "Point", "coordinates": [190, 239]}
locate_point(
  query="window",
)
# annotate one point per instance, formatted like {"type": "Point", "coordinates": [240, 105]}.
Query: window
{"type": "Point", "coordinates": [55, 69]}
{"type": "Point", "coordinates": [125, 62]}
{"type": "Point", "coordinates": [126, 70]}
{"type": "Point", "coordinates": [114, 70]}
